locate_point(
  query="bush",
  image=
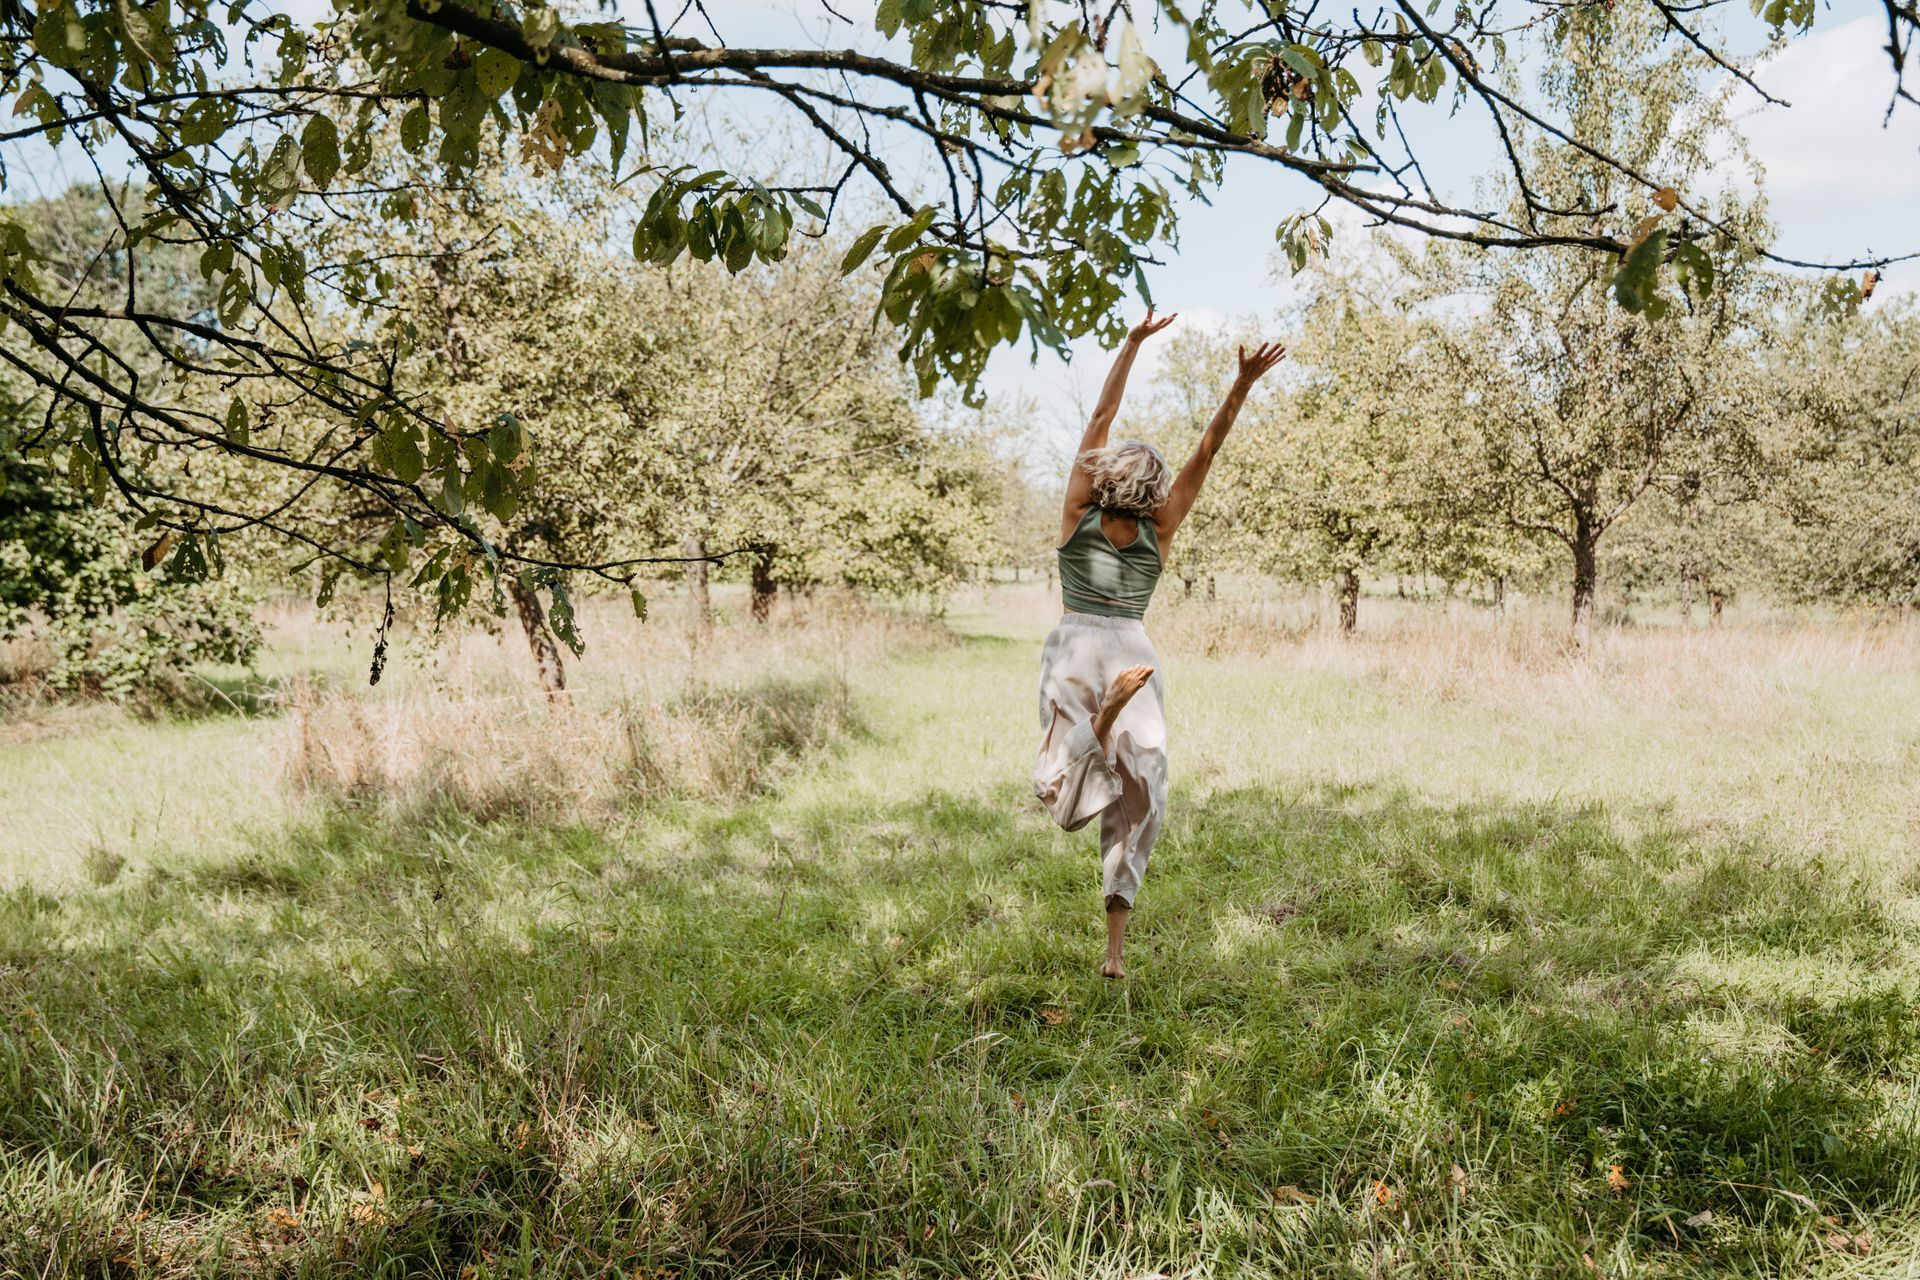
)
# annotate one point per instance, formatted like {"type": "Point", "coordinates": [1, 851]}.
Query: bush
{"type": "Point", "coordinates": [73, 594]}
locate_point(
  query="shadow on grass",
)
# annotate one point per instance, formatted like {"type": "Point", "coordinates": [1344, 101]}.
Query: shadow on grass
{"type": "Point", "coordinates": [1361, 1033]}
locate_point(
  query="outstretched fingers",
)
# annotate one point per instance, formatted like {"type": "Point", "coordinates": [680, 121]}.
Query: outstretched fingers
{"type": "Point", "coordinates": [1263, 358]}
{"type": "Point", "coordinates": [1154, 324]}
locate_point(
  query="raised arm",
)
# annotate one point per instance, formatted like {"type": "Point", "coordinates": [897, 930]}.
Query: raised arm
{"type": "Point", "coordinates": [1186, 486]}
{"type": "Point", "coordinates": [1079, 484]}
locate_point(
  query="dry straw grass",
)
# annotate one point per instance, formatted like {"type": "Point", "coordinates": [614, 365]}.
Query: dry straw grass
{"type": "Point", "coordinates": [1460, 650]}
{"type": "Point", "coordinates": [653, 710]}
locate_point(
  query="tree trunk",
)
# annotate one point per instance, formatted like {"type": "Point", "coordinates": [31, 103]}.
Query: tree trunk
{"type": "Point", "coordinates": [1186, 586]}
{"type": "Point", "coordinates": [699, 593]}
{"type": "Point", "coordinates": [1716, 601]}
{"type": "Point", "coordinates": [1211, 595]}
{"type": "Point", "coordinates": [546, 651]}
{"type": "Point", "coordinates": [1686, 594]}
{"type": "Point", "coordinates": [1586, 576]}
{"type": "Point", "coordinates": [1500, 593]}
{"type": "Point", "coordinates": [764, 585]}
{"type": "Point", "coordinates": [1349, 601]}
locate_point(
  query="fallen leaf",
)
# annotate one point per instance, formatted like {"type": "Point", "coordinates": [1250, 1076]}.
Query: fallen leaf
{"type": "Point", "coordinates": [1458, 1177]}
{"type": "Point", "coordinates": [368, 1215]}
{"type": "Point", "coordinates": [1052, 1015]}
{"type": "Point", "coordinates": [1699, 1219]}
{"type": "Point", "coordinates": [1565, 1108]}
{"type": "Point", "coordinates": [1382, 1194]}
{"type": "Point", "coordinates": [1593, 1266]}
{"type": "Point", "coordinates": [1291, 1195]}
{"type": "Point", "coordinates": [283, 1217]}
{"type": "Point", "coordinates": [1617, 1178]}
{"type": "Point", "coordinates": [1845, 1242]}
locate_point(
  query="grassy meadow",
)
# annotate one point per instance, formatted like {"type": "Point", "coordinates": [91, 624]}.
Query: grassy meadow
{"type": "Point", "coordinates": [1458, 957]}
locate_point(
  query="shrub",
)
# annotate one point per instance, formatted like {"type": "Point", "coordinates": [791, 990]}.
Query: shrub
{"type": "Point", "coordinates": [74, 596]}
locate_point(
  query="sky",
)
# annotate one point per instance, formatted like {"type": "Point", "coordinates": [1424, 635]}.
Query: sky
{"type": "Point", "coordinates": [1839, 184]}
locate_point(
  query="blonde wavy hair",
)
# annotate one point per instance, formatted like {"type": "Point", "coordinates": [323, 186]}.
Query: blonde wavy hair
{"type": "Point", "coordinates": [1129, 477]}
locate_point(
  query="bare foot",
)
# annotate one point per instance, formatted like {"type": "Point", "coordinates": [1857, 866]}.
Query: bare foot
{"type": "Point", "coordinates": [1113, 969]}
{"type": "Point", "coordinates": [1117, 695]}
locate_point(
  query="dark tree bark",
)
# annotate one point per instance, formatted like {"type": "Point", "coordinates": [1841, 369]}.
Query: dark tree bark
{"type": "Point", "coordinates": [1500, 593]}
{"type": "Point", "coordinates": [1211, 594]}
{"type": "Point", "coordinates": [1716, 601]}
{"type": "Point", "coordinates": [1586, 580]}
{"type": "Point", "coordinates": [546, 651]}
{"type": "Point", "coordinates": [1686, 594]}
{"type": "Point", "coordinates": [1349, 601]}
{"type": "Point", "coordinates": [764, 584]}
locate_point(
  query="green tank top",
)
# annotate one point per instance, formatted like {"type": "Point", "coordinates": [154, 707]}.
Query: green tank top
{"type": "Point", "coordinates": [1098, 577]}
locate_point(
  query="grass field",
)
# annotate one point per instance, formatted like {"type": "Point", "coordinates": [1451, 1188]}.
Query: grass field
{"type": "Point", "coordinates": [1457, 958]}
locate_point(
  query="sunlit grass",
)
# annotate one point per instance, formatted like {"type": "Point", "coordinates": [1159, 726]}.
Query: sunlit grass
{"type": "Point", "coordinates": [1548, 974]}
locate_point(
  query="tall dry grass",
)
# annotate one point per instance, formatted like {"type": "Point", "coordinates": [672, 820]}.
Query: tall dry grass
{"type": "Point", "coordinates": [652, 710]}
{"type": "Point", "coordinates": [1465, 650]}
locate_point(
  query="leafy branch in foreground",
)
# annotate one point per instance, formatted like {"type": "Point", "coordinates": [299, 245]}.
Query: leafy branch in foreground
{"type": "Point", "coordinates": [1055, 141]}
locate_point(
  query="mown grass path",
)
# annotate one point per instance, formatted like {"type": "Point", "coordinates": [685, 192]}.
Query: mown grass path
{"type": "Point", "coordinates": [1391, 1014]}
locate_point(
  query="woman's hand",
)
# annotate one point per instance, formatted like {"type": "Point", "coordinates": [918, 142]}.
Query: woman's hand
{"type": "Point", "coordinates": [1150, 326]}
{"type": "Point", "coordinates": [1254, 367]}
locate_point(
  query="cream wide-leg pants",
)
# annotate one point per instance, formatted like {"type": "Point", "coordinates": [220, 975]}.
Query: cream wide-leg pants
{"type": "Point", "coordinates": [1126, 784]}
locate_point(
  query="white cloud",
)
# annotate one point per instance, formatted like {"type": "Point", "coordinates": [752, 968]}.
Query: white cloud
{"type": "Point", "coordinates": [1840, 185]}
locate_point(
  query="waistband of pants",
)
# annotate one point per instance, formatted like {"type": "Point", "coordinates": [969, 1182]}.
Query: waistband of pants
{"type": "Point", "coordinates": [1101, 622]}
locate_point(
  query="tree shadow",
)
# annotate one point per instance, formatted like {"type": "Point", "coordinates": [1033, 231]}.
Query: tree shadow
{"type": "Point", "coordinates": [842, 1038]}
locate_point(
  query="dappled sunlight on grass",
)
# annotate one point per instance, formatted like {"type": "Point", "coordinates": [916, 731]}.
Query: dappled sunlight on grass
{"type": "Point", "coordinates": [1383, 1018]}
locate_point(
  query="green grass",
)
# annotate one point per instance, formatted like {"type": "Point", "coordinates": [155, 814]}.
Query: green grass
{"type": "Point", "coordinates": [1412, 973]}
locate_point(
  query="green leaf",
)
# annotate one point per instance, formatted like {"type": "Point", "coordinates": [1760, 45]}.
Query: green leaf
{"type": "Point", "coordinates": [861, 249]}
{"type": "Point", "coordinates": [496, 71]}
{"type": "Point", "coordinates": [1636, 283]}
{"type": "Point", "coordinates": [398, 449]}
{"type": "Point", "coordinates": [237, 428]}
{"type": "Point", "coordinates": [504, 438]}
{"type": "Point", "coordinates": [204, 121]}
{"type": "Point", "coordinates": [639, 604]}
{"type": "Point", "coordinates": [912, 231]}
{"type": "Point", "coordinates": [414, 127]}
{"type": "Point", "coordinates": [320, 150]}
{"type": "Point", "coordinates": [60, 35]}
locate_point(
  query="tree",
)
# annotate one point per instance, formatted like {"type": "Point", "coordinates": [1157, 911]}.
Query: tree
{"type": "Point", "coordinates": [757, 420]}
{"type": "Point", "coordinates": [1849, 448]}
{"type": "Point", "coordinates": [1055, 153]}
{"type": "Point", "coordinates": [1569, 409]}
{"type": "Point", "coordinates": [76, 576]}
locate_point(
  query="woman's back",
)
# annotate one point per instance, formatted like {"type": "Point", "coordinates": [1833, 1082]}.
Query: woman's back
{"type": "Point", "coordinates": [1099, 577]}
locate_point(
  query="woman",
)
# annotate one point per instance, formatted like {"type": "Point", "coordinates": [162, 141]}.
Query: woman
{"type": "Point", "coordinates": [1103, 742]}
